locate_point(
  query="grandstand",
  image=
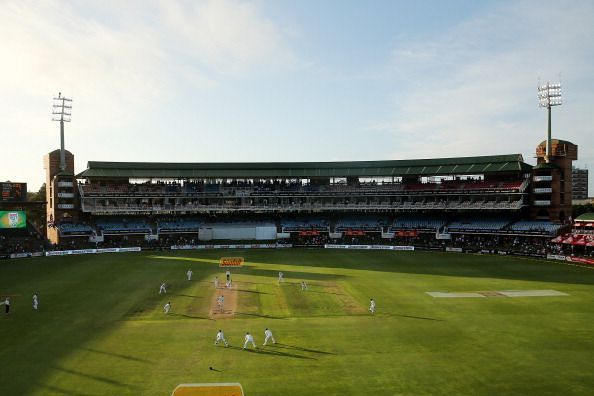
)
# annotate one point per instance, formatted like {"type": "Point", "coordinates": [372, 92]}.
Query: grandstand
{"type": "Point", "coordinates": [113, 203]}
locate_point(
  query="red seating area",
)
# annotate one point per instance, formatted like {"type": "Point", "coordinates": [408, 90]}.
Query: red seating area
{"type": "Point", "coordinates": [575, 239]}
{"type": "Point", "coordinates": [466, 185]}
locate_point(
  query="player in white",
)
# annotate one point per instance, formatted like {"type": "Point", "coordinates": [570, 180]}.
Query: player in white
{"type": "Point", "coordinates": [189, 273]}
{"type": "Point", "coordinates": [280, 277]}
{"type": "Point", "coordinates": [249, 338]}
{"type": "Point", "coordinates": [216, 282]}
{"type": "Point", "coordinates": [372, 306]}
{"type": "Point", "coordinates": [221, 337]}
{"type": "Point", "coordinates": [35, 301]}
{"type": "Point", "coordinates": [162, 289]}
{"type": "Point", "coordinates": [7, 305]}
{"type": "Point", "coordinates": [304, 286]}
{"type": "Point", "coordinates": [167, 308]}
{"type": "Point", "coordinates": [268, 336]}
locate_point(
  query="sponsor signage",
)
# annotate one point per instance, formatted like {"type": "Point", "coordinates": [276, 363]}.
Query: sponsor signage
{"type": "Point", "coordinates": [555, 257]}
{"type": "Point", "coordinates": [370, 247]}
{"type": "Point", "coordinates": [13, 219]}
{"type": "Point", "coordinates": [92, 251]}
{"type": "Point", "coordinates": [230, 261]}
{"type": "Point", "coordinates": [218, 389]}
{"type": "Point", "coordinates": [453, 249]}
{"type": "Point", "coordinates": [250, 246]}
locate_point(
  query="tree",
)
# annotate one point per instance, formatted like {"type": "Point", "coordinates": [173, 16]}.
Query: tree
{"type": "Point", "coordinates": [36, 214]}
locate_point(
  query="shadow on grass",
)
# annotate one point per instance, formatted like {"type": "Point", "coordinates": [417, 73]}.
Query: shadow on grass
{"type": "Point", "coordinates": [324, 292]}
{"type": "Point", "coordinates": [251, 291]}
{"type": "Point", "coordinates": [96, 378]}
{"type": "Point", "coordinates": [298, 348]}
{"type": "Point", "coordinates": [261, 351]}
{"type": "Point", "coordinates": [61, 391]}
{"type": "Point", "coordinates": [118, 355]}
{"type": "Point", "coordinates": [252, 283]}
{"type": "Point", "coordinates": [259, 316]}
{"type": "Point", "coordinates": [183, 295]}
{"type": "Point", "coordinates": [188, 316]}
{"type": "Point", "coordinates": [291, 275]}
{"type": "Point", "coordinates": [462, 265]}
{"type": "Point", "coordinates": [417, 317]}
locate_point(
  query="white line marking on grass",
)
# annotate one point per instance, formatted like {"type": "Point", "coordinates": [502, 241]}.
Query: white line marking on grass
{"type": "Point", "coordinates": [502, 293]}
{"type": "Point", "coordinates": [532, 293]}
{"type": "Point", "coordinates": [454, 295]}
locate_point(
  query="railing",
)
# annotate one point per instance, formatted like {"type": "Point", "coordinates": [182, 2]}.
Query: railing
{"type": "Point", "coordinates": [479, 205]}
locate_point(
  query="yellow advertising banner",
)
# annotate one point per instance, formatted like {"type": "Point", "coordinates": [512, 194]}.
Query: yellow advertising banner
{"type": "Point", "coordinates": [220, 389]}
{"type": "Point", "coordinates": [230, 261]}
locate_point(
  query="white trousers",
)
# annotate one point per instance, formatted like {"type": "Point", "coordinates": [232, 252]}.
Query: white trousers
{"type": "Point", "coordinates": [269, 338]}
{"type": "Point", "coordinates": [246, 343]}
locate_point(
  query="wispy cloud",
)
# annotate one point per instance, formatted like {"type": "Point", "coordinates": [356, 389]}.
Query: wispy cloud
{"type": "Point", "coordinates": [472, 89]}
{"type": "Point", "coordinates": [120, 61]}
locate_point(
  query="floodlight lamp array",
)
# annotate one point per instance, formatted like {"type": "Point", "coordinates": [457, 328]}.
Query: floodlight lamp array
{"type": "Point", "coordinates": [62, 109]}
{"type": "Point", "coordinates": [549, 95]}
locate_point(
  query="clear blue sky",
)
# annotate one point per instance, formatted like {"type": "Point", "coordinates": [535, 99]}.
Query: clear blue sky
{"type": "Point", "coordinates": [226, 80]}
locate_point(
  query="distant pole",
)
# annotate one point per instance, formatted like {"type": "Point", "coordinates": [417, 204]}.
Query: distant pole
{"type": "Point", "coordinates": [549, 95]}
{"type": "Point", "coordinates": [62, 111]}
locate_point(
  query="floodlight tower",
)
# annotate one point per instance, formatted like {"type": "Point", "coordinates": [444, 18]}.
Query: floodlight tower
{"type": "Point", "coordinates": [549, 95]}
{"type": "Point", "coordinates": [62, 111]}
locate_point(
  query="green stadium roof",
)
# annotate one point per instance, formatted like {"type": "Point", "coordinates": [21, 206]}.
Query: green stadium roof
{"type": "Point", "coordinates": [585, 217]}
{"type": "Point", "coordinates": [419, 167]}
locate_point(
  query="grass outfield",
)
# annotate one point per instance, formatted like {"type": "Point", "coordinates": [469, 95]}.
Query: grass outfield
{"type": "Point", "coordinates": [100, 329]}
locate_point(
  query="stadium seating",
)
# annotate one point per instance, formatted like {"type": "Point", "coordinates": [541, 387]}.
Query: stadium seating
{"type": "Point", "coordinates": [75, 229]}
{"type": "Point", "coordinates": [123, 226]}
{"type": "Point", "coordinates": [180, 224]}
{"type": "Point", "coordinates": [364, 223]}
{"type": "Point", "coordinates": [536, 227]}
{"type": "Point", "coordinates": [478, 224]}
{"type": "Point", "coordinates": [417, 222]}
{"type": "Point", "coordinates": [291, 225]}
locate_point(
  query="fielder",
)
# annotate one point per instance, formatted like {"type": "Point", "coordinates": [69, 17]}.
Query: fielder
{"type": "Point", "coordinates": [7, 305]}
{"type": "Point", "coordinates": [216, 282]}
{"type": "Point", "coordinates": [189, 273]}
{"type": "Point", "coordinates": [221, 337]}
{"type": "Point", "coordinates": [372, 306]}
{"type": "Point", "coordinates": [304, 285]}
{"type": "Point", "coordinates": [35, 301]}
{"type": "Point", "coordinates": [249, 338]}
{"type": "Point", "coordinates": [280, 277]}
{"type": "Point", "coordinates": [167, 308]}
{"type": "Point", "coordinates": [162, 289]}
{"type": "Point", "coordinates": [268, 336]}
